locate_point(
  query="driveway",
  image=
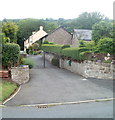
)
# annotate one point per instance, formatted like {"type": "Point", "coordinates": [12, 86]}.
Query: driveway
{"type": "Point", "coordinates": [52, 85]}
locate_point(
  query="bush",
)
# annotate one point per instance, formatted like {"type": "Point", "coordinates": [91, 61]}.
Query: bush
{"type": "Point", "coordinates": [28, 61]}
{"type": "Point", "coordinates": [27, 51]}
{"type": "Point", "coordinates": [65, 46]}
{"type": "Point", "coordinates": [51, 43]}
{"type": "Point", "coordinates": [106, 45]}
{"type": "Point", "coordinates": [53, 48]}
{"type": "Point", "coordinates": [55, 61]}
{"type": "Point", "coordinates": [35, 46]}
{"type": "Point", "coordinates": [45, 42]}
{"type": "Point", "coordinates": [10, 54]}
{"type": "Point", "coordinates": [75, 53]}
{"type": "Point", "coordinates": [71, 53]}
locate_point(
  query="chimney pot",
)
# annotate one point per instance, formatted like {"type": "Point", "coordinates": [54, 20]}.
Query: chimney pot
{"type": "Point", "coordinates": [41, 27]}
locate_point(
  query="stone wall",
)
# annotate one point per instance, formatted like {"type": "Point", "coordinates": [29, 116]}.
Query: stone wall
{"type": "Point", "coordinates": [90, 69]}
{"type": "Point", "coordinates": [87, 69]}
{"type": "Point", "coordinates": [49, 57]}
{"type": "Point", "coordinates": [20, 75]}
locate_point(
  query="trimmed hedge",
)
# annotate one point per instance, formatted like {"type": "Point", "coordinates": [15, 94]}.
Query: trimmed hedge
{"type": "Point", "coordinates": [54, 48]}
{"type": "Point", "coordinates": [10, 54]}
{"type": "Point", "coordinates": [66, 51]}
{"type": "Point", "coordinates": [71, 52]}
{"type": "Point", "coordinates": [75, 53]}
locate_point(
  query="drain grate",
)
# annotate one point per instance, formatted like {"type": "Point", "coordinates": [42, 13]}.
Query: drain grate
{"type": "Point", "coordinates": [42, 106]}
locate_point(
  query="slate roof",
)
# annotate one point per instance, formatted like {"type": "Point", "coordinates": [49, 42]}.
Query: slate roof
{"type": "Point", "coordinates": [83, 34]}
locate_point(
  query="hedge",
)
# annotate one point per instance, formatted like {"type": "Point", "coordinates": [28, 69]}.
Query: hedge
{"type": "Point", "coordinates": [65, 50]}
{"type": "Point", "coordinates": [75, 53]}
{"type": "Point", "coordinates": [54, 48]}
{"type": "Point", "coordinates": [71, 52]}
{"type": "Point", "coordinates": [10, 54]}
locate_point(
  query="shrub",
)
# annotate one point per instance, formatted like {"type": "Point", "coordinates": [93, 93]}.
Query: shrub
{"type": "Point", "coordinates": [10, 54]}
{"type": "Point", "coordinates": [27, 51]}
{"type": "Point", "coordinates": [35, 46]}
{"type": "Point", "coordinates": [71, 53]}
{"type": "Point", "coordinates": [51, 43]}
{"type": "Point", "coordinates": [53, 48]}
{"type": "Point", "coordinates": [55, 61]}
{"type": "Point", "coordinates": [28, 61]}
{"type": "Point", "coordinates": [65, 46]}
{"type": "Point", "coordinates": [45, 42]}
{"type": "Point", "coordinates": [75, 53]}
{"type": "Point", "coordinates": [106, 45]}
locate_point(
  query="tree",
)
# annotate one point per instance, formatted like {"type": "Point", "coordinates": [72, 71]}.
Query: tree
{"type": "Point", "coordinates": [87, 20]}
{"type": "Point", "coordinates": [27, 26]}
{"type": "Point", "coordinates": [101, 30]}
{"type": "Point", "coordinates": [10, 30]}
{"type": "Point", "coordinates": [106, 45]}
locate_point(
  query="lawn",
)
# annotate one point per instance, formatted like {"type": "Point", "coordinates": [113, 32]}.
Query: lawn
{"type": "Point", "coordinates": [6, 89]}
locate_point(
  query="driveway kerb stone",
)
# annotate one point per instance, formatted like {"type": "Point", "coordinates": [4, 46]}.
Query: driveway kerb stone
{"type": "Point", "coordinates": [12, 96]}
{"type": "Point", "coordinates": [68, 103]}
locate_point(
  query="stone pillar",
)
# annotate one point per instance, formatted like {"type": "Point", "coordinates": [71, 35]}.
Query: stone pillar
{"type": "Point", "coordinates": [20, 75]}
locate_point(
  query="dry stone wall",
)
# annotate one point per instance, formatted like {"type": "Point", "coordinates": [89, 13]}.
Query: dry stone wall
{"type": "Point", "coordinates": [88, 69]}
{"type": "Point", "coordinates": [20, 75]}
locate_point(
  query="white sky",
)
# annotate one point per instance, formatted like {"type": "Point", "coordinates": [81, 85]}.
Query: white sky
{"type": "Point", "coordinates": [14, 9]}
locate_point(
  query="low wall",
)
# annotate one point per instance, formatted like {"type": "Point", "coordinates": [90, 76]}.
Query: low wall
{"type": "Point", "coordinates": [49, 57]}
{"type": "Point", "coordinates": [20, 75]}
{"type": "Point", "coordinates": [90, 69]}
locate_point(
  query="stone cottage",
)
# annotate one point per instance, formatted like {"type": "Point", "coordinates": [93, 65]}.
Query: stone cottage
{"type": "Point", "coordinates": [34, 37]}
{"type": "Point", "coordinates": [58, 36]}
{"type": "Point", "coordinates": [81, 34]}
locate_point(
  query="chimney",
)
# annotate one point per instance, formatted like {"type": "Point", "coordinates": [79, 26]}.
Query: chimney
{"type": "Point", "coordinates": [33, 33]}
{"type": "Point", "coordinates": [41, 27]}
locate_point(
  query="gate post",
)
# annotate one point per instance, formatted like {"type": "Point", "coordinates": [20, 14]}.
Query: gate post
{"type": "Point", "coordinates": [44, 58]}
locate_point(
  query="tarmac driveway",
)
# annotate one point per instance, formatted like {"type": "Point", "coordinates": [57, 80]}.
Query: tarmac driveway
{"type": "Point", "coordinates": [52, 85]}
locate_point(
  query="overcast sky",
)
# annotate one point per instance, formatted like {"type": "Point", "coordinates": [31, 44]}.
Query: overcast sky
{"type": "Point", "coordinates": [14, 9]}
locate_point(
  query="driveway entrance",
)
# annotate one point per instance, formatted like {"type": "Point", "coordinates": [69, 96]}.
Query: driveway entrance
{"type": "Point", "coordinates": [52, 85]}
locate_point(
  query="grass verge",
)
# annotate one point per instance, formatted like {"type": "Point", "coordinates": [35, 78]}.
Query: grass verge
{"type": "Point", "coordinates": [6, 89]}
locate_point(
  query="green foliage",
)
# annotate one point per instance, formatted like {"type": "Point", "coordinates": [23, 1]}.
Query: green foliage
{"type": "Point", "coordinates": [53, 48]}
{"type": "Point", "coordinates": [107, 61]}
{"type": "Point", "coordinates": [89, 45]}
{"type": "Point", "coordinates": [106, 45]}
{"type": "Point", "coordinates": [81, 43]}
{"type": "Point", "coordinates": [10, 29]}
{"type": "Point", "coordinates": [7, 89]}
{"type": "Point", "coordinates": [65, 46]}
{"type": "Point", "coordinates": [33, 49]}
{"type": "Point", "coordinates": [35, 46]}
{"type": "Point", "coordinates": [87, 20]}
{"type": "Point", "coordinates": [28, 61]}
{"type": "Point", "coordinates": [46, 42]}
{"type": "Point", "coordinates": [84, 21]}
{"type": "Point", "coordinates": [55, 61]}
{"type": "Point", "coordinates": [27, 26]}
{"type": "Point", "coordinates": [10, 54]}
{"type": "Point", "coordinates": [39, 44]}
{"type": "Point", "coordinates": [101, 30]}
{"type": "Point", "coordinates": [73, 53]}
{"type": "Point", "coordinates": [51, 43]}
{"type": "Point", "coordinates": [27, 51]}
